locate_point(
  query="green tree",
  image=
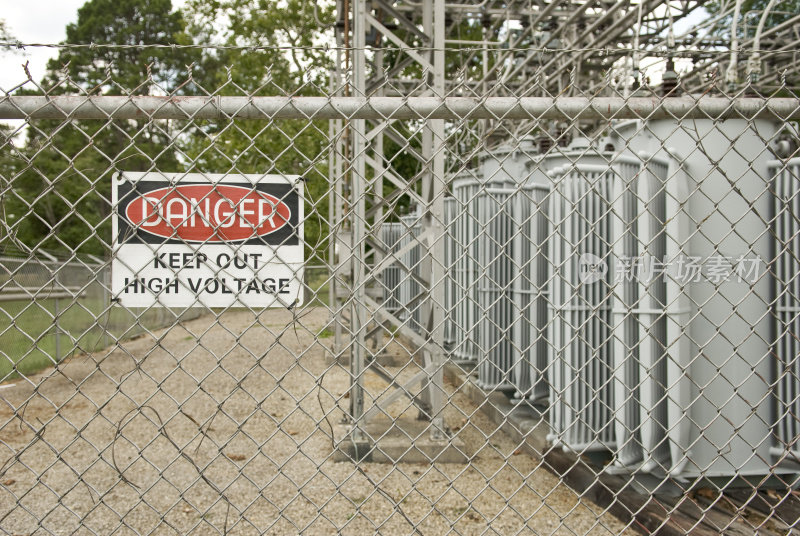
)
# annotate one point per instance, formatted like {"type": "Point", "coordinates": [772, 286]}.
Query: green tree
{"type": "Point", "coordinates": [134, 26]}
{"type": "Point", "coordinates": [5, 31]}
{"type": "Point", "coordinates": [751, 11]}
{"type": "Point", "coordinates": [269, 69]}
{"type": "Point", "coordinates": [61, 194]}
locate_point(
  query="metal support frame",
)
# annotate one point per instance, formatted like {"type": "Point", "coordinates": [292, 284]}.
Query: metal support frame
{"type": "Point", "coordinates": [433, 189]}
{"type": "Point", "coordinates": [369, 169]}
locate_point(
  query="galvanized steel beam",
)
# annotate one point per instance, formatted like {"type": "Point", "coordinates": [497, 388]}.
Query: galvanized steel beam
{"type": "Point", "coordinates": [353, 108]}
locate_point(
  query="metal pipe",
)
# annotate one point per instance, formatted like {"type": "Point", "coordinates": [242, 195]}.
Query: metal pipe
{"type": "Point", "coordinates": [501, 57]}
{"type": "Point", "coordinates": [57, 330]}
{"type": "Point", "coordinates": [474, 43]}
{"type": "Point", "coordinates": [339, 165]}
{"type": "Point", "coordinates": [635, 57]}
{"type": "Point", "coordinates": [37, 294]}
{"type": "Point", "coordinates": [358, 314]}
{"type": "Point", "coordinates": [598, 41]}
{"type": "Point", "coordinates": [556, 33]}
{"type": "Point", "coordinates": [332, 228]}
{"type": "Point", "coordinates": [754, 64]}
{"type": "Point", "coordinates": [714, 60]}
{"type": "Point", "coordinates": [455, 7]}
{"type": "Point", "coordinates": [353, 108]}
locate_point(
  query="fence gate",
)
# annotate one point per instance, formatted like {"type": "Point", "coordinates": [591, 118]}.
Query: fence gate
{"type": "Point", "coordinates": [350, 309]}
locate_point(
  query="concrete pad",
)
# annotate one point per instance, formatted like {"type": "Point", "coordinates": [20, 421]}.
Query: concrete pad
{"type": "Point", "coordinates": [343, 359]}
{"type": "Point", "coordinates": [406, 440]}
{"type": "Point", "coordinates": [385, 359]}
{"type": "Point", "coordinates": [522, 422]}
{"type": "Point", "coordinates": [392, 359]}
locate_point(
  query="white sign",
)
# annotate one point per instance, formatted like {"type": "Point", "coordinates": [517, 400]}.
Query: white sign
{"type": "Point", "coordinates": [194, 239]}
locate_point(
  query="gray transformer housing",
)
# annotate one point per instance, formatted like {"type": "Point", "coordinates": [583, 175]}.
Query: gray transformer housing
{"type": "Point", "coordinates": [450, 256]}
{"type": "Point", "coordinates": [510, 290]}
{"type": "Point", "coordinates": [465, 188]}
{"type": "Point", "coordinates": [591, 333]}
{"type": "Point", "coordinates": [511, 273]}
{"type": "Point", "coordinates": [392, 275]}
{"type": "Point", "coordinates": [409, 289]}
{"type": "Point", "coordinates": [672, 372]}
{"type": "Point", "coordinates": [718, 333]}
{"type": "Point", "coordinates": [787, 310]}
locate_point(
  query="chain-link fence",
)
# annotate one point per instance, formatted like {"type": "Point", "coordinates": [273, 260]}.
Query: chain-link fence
{"type": "Point", "coordinates": [402, 314]}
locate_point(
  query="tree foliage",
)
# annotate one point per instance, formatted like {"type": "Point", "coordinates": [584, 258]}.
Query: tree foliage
{"type": "Point", "coordinates": [61, 190]}
{"type": "Point", "coordinates": [751, 12]}
{"type": "Point", "coordinates": [295, 147]}
{"type": "Point", "coordinates": [5, 31]}
{"type": "Point", "coordinates": [124, 69]}
{"type": "Point", "coordinates": [61, 197]}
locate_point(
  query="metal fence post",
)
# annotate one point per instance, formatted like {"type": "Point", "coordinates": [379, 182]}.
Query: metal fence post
{"type": "Point", "coordinates": [57, 331]}
{"type": "Point", "coordinates": [106, 303]}
{"type": "Point", "coordinates": [358, 320]}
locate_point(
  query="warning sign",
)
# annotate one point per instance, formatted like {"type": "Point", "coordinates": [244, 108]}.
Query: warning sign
{"type": "Point", "coordinates": [193, 239]}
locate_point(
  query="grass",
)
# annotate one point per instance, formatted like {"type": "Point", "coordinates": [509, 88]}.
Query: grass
{"type": "Point", "coordinates": [317, 285]}
{"type": "Point", "coordinates": [28, 337]}
{"type": "Point", "coordinates": [28, 334]}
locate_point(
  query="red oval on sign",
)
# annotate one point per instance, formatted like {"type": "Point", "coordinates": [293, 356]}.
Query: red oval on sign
{"type": "Point", "coordinates": [208, 213]}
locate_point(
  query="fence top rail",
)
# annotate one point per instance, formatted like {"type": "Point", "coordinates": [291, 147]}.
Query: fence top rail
{"type": "Point", "coordinates": [219, 107]}
{"type": "Point", "coordinates": [34, 261]}
{"type": "Point", "coordinates": [42, 294]}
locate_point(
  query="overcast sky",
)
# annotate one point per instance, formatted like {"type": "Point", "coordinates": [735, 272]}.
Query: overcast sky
{"type": "Point", "coordinates": [36, 21]}
{"type": "Point", "coordinates": [44, 21]}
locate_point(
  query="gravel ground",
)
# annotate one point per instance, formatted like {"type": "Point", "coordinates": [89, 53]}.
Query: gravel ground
{"type": "Point", "coordinates": [216, 426]}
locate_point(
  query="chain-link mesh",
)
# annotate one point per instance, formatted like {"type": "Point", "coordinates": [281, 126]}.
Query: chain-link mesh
{"type": "Point", "coordinates": [563, 314]}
